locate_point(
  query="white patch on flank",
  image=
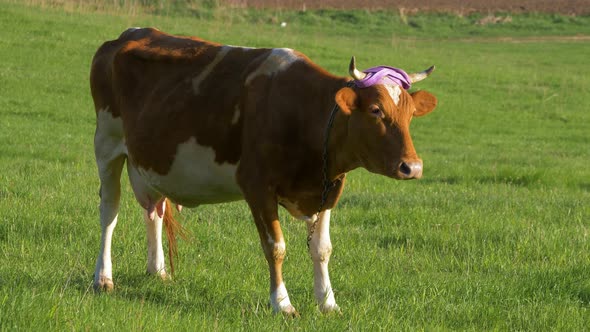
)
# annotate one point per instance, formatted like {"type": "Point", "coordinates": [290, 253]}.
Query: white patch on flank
{"type": "Point", "coordinates": [209, 68]}
{"type": "Point", "coordinates": [394, 91]}
{"type": "Point", "coordinates": [109, 141]}
{"type": "Point", "coordinates": [107, 126]}
{"type": "Point", "coordinates": [195, 178]}
{"type": "Point", "coordinates": [236, 116]}
{"type": "Point", "coordinates": [278, 60]}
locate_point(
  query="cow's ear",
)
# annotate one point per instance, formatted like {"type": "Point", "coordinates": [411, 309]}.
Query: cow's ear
{"type": "Point", "coordinates": [347, 100]}
{"type": "Point", "coordinates": [424, 101]}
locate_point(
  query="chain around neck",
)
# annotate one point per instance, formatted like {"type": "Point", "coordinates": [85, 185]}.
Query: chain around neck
{"type": "Point", "coordinates": [327, 184]}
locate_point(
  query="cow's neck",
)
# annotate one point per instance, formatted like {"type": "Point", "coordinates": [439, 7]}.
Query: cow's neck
{"type": "Point", "coordinates": [340, 157]}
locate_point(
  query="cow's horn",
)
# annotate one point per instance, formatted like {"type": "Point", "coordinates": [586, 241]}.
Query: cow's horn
{"type": "Point", "coordinates": [417, 77]}
{"type": "Point", "coordinates": [355, 73]}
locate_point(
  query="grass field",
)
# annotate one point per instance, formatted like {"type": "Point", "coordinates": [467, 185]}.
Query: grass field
{"type": "Point", "coordinates": [495, 235]}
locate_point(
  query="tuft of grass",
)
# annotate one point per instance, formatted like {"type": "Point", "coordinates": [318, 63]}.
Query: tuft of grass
{"type": "Point", "coordinates": [494, 237]}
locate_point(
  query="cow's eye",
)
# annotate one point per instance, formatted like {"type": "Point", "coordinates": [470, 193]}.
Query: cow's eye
{"type": "Point", "coordinates": [376, 112]}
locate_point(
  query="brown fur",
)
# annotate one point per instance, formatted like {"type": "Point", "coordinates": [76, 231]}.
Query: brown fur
{"type": "Point", "coordinates": [173, 228]}
{"type": "Point", "coordinates": [148, 79]}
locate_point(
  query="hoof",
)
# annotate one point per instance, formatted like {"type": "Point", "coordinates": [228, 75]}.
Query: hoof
{"type": "Point", "coordinates": [330, 309]}
{"type": "Point", "coordinates": [104, 285]}
{"type": "Point", "coordinates": [165, 276]}
{"type": "Point", "coordinates": [162, 275]}
{"type": "Point", "coordinates": [289, 311]}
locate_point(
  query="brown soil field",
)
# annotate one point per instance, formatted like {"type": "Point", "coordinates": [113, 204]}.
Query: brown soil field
{"type": "Point", "coordinates": [568, 7]}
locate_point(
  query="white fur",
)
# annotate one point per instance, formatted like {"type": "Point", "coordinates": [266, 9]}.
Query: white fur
{"type": "Point", "coordinates": [394, 92]}
{"type": "Point", "coordinates": [279, 299]}
{"type": "Point", "coordinates": [279, 249]}
{"type": "Point", "coordinates": [207, 70]}
{"type": "Point", "coordinates": [108, 139]}
{"type": "Point", "coordinates": [109, 151]}
{"type": "Point", "coordinates": [320, 249]}
{"type": "Point", "coordinates": [195, 178]}
{"type": "Point", "coordinates": [103, 273]}
{"type": "Point", "coordinates": [278, 60]}
{"type": "Point", "coordinates": [155, 252]}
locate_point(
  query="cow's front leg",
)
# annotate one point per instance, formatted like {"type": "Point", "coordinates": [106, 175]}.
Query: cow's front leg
{"type": "Point", "coordinates": [320, 249]}
{"type": "Point", "coordinates": [271, 238]}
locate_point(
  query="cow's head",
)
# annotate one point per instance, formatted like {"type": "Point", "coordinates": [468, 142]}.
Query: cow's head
{"type": "Point", "coordinates": [379, 123]}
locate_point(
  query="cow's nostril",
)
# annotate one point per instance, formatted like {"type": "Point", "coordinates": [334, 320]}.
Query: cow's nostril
{"type": "Point", "coordinates": [410, 170]}
{"type": "Point", "coordinates": [405, 169]}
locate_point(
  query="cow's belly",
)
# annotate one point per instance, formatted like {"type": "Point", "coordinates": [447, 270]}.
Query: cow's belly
{"type": "Point", "coordinates": [195, 178]}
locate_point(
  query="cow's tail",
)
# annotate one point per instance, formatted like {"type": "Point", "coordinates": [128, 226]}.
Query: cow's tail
{"type": "Point", "coordinates": [173, 228]}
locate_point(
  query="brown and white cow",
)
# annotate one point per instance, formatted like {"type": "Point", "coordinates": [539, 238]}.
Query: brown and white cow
{"type": "Point", "coordinates": [203, 123]}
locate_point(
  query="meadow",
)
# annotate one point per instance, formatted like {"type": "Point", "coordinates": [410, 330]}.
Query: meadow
{"type": "Point", "coordinates": [495, 236]}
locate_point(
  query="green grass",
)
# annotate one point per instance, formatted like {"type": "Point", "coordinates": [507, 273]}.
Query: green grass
{"type": "Point", "coordinates": [495, 236]}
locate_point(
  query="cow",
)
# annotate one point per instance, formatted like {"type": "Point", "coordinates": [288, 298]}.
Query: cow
{"type": "Point", "coordinates": [197, 122]}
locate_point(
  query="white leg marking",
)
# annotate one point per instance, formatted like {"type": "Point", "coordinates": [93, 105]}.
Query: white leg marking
{"type": "Point", "coordinates": [103, 273]}
{"type": "Point", "coordinates": [155, 251]}
{"type": "Point", "coordinates": [279, 300]}
{"type": "Point", "coordinates": [207, 70]}
{"type": "Point", "coordinates": [320, 249]}
{"type": "Point", "coordinates": [394, 91]}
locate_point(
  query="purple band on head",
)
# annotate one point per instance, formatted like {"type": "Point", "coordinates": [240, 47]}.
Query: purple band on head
{"type": "Point", "coordinates": [384, 75]}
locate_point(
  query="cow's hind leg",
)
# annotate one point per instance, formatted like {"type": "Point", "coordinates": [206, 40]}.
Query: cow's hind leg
{"type": "Point", "coordinates": [110, 193]}
{"type": "Point", "coordinates": [154, 207]}
{"type": "Point", "coordinates": [110, 157]}
{"type": "Point", "coordinates": [155, 252]}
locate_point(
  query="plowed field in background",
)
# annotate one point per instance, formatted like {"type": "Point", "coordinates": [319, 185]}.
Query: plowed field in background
{"type": "Point", "coordinates": [569, 7]}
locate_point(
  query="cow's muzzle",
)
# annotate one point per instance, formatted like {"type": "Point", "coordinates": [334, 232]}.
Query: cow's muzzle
{"type": "Point", "coordinates": [408, 170]}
